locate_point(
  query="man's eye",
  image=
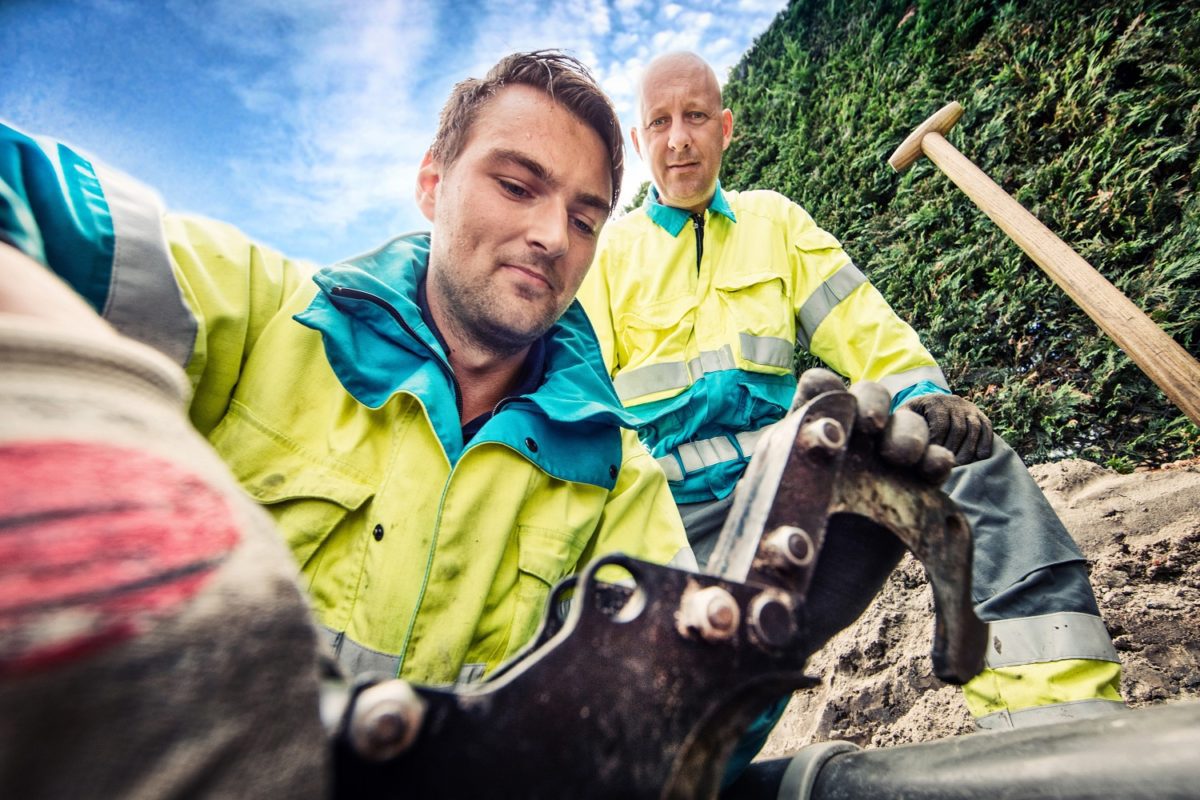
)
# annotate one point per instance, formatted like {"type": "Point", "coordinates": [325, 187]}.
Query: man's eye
{"type": "Point", "coordinates": [515, 189]}
{"type": "Point", "coordinates": [698, 116]}
{"type": "Point", "coordinates": [658, 123]}
{"type": "Point", "coordinates": [583, 226]}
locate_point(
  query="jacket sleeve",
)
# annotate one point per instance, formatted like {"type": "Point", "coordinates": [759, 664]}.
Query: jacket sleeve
{"type": "Point", "coordinates": [844, 321]}
{"type": "Point", "coordinates": [593, 295]}
{"type": "Point", "coordinates": [640, 518]}
{"type": "Point", "coordinates": [235, 288]}
{"type": "Point", "coordinates": [197, 290]}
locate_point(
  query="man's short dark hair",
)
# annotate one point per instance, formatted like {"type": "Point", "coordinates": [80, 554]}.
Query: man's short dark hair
{"type": "Point", "coordinates": [563, 78]}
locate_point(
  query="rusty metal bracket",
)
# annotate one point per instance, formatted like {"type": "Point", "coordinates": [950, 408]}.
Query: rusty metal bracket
{"type": "Point", "coordinates": [645, 685]}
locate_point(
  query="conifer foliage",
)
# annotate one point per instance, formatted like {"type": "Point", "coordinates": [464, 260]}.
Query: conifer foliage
{"type": "Point", "coordinates": [1088, 113]}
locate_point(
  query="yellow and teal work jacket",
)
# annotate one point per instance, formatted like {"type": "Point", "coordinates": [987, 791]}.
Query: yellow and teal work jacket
{"type": "Point", "coordinates": [699, 317]}
{"type": "Point", "coordinates": [334, 405]}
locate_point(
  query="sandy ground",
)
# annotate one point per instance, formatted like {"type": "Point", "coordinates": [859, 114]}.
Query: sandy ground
{"type": "Point", "coordinates": [1141, 535]}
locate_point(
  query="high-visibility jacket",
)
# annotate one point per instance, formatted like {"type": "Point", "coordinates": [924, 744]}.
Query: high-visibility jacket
{"type": "Point", "coordinates": [334, 406]}
{"type": "Point", "coordinates": [699, 317]}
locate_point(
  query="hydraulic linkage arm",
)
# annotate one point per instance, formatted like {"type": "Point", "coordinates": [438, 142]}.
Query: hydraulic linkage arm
{"type": "Point", "coordinates": [643, 687]}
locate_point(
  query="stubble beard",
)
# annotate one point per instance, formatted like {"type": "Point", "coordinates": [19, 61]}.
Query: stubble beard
{"type": "Point", "coordinates": [475, 312]}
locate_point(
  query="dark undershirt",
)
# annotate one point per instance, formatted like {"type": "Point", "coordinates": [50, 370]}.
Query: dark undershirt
{"type": "Point", "coordinates": [529, 378]}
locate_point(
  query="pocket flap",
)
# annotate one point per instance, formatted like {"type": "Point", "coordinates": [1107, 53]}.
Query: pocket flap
{"type": "Point", "coordinates": [739, 281]}
{"type": "Point", "coordinates": [657, 316]}
{"type": "Point", "coordinates": [273, 468]}
{"type": "Point", "coordinates": [548, 554]}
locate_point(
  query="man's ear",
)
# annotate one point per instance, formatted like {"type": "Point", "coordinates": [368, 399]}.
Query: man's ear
{"type": "Point", "coordinates": [726, 128]}
{"type": "Point", "coordinates": [429, 176]}
{"type": "Point", "coordinates": [633, 137]}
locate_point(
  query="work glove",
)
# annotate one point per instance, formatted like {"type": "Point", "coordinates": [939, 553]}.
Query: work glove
{"type": "Point", "coordinates": [956, 424]}
{"type": "Point", "coordinates": [904, 438]}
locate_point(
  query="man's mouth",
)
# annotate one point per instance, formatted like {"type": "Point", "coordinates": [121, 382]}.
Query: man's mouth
{"type": "Point", "coordinates": [532, 273]}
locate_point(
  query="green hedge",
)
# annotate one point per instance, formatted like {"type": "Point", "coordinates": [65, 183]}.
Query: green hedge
{"type": "Point", "coordinates": [1087, 113]}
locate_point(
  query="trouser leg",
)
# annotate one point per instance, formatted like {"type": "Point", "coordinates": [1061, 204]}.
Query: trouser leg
{"type": "Point", "coordinates": [703, 522]}
{"type": "Point", "coordinates": [1049, 656]}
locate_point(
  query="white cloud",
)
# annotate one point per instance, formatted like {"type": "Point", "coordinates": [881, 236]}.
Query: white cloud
{"type": "Point", "coordinates": [342, 131]}
{"type": "Point", "coordinates": [345, 122]}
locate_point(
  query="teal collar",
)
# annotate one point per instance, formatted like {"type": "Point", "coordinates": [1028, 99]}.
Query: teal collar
{"type": "Point", "coordinates": [378, 345]}
{"type": "Point", "coordinates": [672, 220]}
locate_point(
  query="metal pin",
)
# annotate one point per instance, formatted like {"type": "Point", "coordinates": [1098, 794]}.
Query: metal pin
{"type": "Point", "coordinates": [711, 613]}
{"type": "Point", "coordinates": [385, 720]}
{"type": "Point", "coordinates": [788, 547]}
{"type": "Point", "coordinates": [825, 435]}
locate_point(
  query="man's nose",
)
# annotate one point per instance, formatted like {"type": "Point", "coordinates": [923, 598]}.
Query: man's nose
{"type": "Point", "coordinates": [678, 139]}
{"type": "Point", "coordinates": [549, 228]}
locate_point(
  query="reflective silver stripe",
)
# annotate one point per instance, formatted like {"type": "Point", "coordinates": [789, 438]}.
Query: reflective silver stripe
{"type": "Point", "coordinates": [748, 440]}
{"type": "Point", "coordinates": [769, 350]}
{"type": "Point", "coordinates": [672, 374]}
{"type": "Point", "coordinates": [670, 467]}
{"type": "Point", "coordinates": [650, 379]}
{"type": "Point", "coordinates": [902, 380]}
{"type": "Point", "coordinates": [695, 456]}
{"type": "Point", "coordinates": [1044, 715]}
{"type": "Point", "coordinates": [698, 455]}
{"type": "Point", "coordinates": [817, 307]}
{"type": "Point", "coordinates": [357, 659]}
{"type": "Point", "coordinates": [144, 300]}
{"type": "Point", "coordinates": [1051, 637]}
{"type": "Point", "coordinates": [711, 361]}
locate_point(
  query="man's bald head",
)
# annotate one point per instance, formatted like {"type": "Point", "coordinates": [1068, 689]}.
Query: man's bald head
{"type": "Point", "coordinates": [680, 67]}
{"type": "Point", "coordinates": [683, 129]}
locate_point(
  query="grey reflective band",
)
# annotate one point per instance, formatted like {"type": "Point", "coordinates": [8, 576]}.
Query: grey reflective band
{"type": "Point", "coordinates": [711, 361]}
{"type": "Point", "coordinates": [821, 302]}
{"type": "Point", "coordinates": [692, 457]}
{"type": "Point", "coordinates": [144, 300]}
{"type": "Point", "coordinates": [1051, 637]}
{"type": "Point", "coordinates": [652, 378]}
{"type": "Point", "coordinates": [357, 659]}
{"type": "Point", "coordinates": [769, 350]}
{"type": "Point", "coordinates": [1043, 715]}
{"type": "Point", "coordinates": [902, 380]}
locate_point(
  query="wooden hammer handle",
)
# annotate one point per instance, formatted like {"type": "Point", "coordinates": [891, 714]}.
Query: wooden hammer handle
{"type": "Point", "coordinates": [1162, 358]}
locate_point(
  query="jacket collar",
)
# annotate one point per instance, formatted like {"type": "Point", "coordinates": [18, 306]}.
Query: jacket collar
{"type": "Point", "coordinates": [672, 220]}
{"type": "Point", "coordinates": [378, 345]}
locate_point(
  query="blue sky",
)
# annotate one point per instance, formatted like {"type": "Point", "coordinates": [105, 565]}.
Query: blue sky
{"type": "Point", "coordinates": [303, 122]}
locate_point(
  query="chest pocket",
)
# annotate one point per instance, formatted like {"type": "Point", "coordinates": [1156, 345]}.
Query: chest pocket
{"type": "Point", "coordinates": [759, 308]}
{"type": "Point", "coordinates": [309, 497]}
{"type": "Point", "coordinates": [655, 333]}
{"type": "Point", "coordinates": [544, 557]}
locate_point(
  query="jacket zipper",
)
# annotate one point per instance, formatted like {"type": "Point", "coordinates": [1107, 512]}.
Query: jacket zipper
{"type": "Point", "coordinates": [698, 227]}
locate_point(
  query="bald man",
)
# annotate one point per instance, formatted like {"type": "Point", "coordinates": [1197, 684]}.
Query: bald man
{"type": "Point", "coordinates": [701, 297]}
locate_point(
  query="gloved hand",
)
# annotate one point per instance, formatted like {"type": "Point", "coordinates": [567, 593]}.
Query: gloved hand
{"type": "Point", "coordinates": [956, 424]}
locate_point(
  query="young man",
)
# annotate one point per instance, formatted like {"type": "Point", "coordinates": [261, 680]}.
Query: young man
{"type": "Point", "coordinates": [430, 425]}
{"type": "Point", "coordinates": [699, 299]}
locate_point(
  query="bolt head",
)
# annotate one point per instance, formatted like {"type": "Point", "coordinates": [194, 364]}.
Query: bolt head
{"type": "Point", "coordinates": [711, 613]}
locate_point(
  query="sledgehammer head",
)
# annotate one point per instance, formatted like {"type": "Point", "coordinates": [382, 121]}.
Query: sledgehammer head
{"type": "Point", "coordinates": [910, 149]}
